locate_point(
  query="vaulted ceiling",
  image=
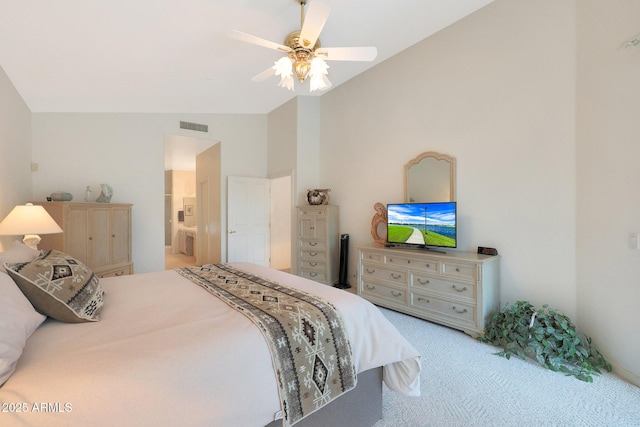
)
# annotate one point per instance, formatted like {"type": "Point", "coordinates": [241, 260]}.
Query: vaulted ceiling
{"type": "Point", "coordinates": [175, 55]}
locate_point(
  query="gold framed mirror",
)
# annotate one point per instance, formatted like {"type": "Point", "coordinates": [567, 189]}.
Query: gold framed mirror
{"type": "Point", "coordinates": [430, 177]}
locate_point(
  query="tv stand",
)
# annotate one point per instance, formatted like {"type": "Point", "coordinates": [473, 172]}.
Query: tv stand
{"type": "Point", "coordinates": [457, 289]}
{"type": "Point", "coordinates": [438, 251]}
{"type": "Point", "coordinates": [414, 247]}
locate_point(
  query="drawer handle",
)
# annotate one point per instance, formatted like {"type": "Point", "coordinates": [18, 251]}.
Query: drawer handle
{"type": "Point", "coordinates": [370, 287]}
{"type": "Point", "coordinates": [390, 259]}
{"type": "Point", "coordinates": [458, 311]}
{"type": "Point", "coordinates": [457, 270]}
{"type": "Point", "coordinates": [313, 264]}
{"type": "Point", "coordinates": [371, 270]}
{"type": "Point", "coordinates": [313, 274]}
{"type": "Point", "coordinates": [120, 273]}
{"type": "Point", "coordinates": [313, 253]}
{"type": "Point", "coordinates": [428, 266]}
{"type": "Point", "coordinates": [396, 294]}
{"type": "Point", "coordinates": [396, 276]}
{"type": "Point", "coordinates": [455, 288]}
{"type": "Point", "coordinates": [313, 228]}
{"type": "Point", "coordinates": [313, 243]}
{"type": "Point", "coordinates": [424, 300]}
{"type": "Point", "coordinates": [424, 282]}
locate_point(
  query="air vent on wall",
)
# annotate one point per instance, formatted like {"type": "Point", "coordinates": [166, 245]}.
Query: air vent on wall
{"type": "Point", "coordinates": [194, 126]}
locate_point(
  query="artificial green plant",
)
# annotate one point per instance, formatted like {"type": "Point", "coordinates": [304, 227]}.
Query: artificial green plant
{"type": "Point", "coordinates": [547, 336]}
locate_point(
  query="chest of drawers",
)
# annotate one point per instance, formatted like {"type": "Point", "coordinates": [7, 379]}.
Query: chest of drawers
{"type": "Point", "coordinates": [457, 289]}
{"type": "Point", "coordinates": [318, 243]}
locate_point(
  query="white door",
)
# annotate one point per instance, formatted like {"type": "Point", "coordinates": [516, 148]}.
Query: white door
{"type": "Point", "coordinates": [248, 217]}
{"type": "Point", "coordinates": [208, 201]}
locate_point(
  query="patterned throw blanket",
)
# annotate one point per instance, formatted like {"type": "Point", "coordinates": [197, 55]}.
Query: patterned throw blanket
{"type": "Point", "coordinates": [309, 346]}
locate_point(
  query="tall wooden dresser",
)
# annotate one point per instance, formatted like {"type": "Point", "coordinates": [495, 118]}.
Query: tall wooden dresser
{"type": "Point", "coordinates": [97, 234]}
{"type": "Point", "coordinates": [317, 239]}
{"type": "Point", "coordinates": [457, 289]}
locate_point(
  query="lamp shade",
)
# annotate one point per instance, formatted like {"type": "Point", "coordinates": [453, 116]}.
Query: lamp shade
{"type": "Point", "coordinates": [28, 219]}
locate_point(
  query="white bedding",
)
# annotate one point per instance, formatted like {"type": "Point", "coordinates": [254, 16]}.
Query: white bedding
{"type": "Point", "coordinates": [166, 352]}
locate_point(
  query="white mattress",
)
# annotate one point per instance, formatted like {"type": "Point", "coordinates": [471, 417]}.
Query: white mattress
{"type": "Point", "coordinates": [169, 353]}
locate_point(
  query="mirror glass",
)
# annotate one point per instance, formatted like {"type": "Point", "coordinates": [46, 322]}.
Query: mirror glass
{"type": "Point", "coordinates": [430, 177]}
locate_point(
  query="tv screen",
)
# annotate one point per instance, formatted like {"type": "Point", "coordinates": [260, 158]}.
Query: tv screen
{"type": "Point", "coordinates": [422, 224]}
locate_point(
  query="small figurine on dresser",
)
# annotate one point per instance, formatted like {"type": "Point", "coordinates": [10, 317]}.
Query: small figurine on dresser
{"type": "Point", "coordinates": [105, 193]}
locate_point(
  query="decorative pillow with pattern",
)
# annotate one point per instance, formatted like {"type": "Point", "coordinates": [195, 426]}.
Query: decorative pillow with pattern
{"type": "Point", "coordinates": [60, 287]}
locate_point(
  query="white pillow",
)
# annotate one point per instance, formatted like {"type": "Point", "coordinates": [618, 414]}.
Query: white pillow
{"type": "Point", "coordinates": [18, 320]}
{"type": "Point", "coordinates": [18, 252]}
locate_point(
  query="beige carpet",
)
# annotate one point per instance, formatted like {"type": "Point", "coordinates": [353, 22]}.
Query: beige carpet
{"type": "Point", "coordinates": [173, 261]}
{"type": "Point", "coordinates": [464, 384]}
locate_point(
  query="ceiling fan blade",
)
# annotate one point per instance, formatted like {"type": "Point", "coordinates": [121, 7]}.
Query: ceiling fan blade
{"type": "Point", "coordinates": [314, 20]}
{"type": "Point", "coordinates": [248, 38]}
{"type": "Point", "coordinates": [347, 53]}
{"type": "Point", "coordinates": [263, 75]}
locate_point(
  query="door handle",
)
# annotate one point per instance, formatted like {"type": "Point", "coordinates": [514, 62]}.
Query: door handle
{"type": "Point", "coordinates": [232, 231]}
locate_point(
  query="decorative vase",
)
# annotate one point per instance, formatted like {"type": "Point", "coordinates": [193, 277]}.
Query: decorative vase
{"type": "Point", "coordinates": [105, 193]}
{"type": "Point", "coordinates": [318, 196]}
{"type": "Point", "coordinates": [61, 196]}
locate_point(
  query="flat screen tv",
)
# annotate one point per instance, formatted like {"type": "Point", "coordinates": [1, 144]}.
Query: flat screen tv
{"type": "Point", "coordinates": [422, 224]}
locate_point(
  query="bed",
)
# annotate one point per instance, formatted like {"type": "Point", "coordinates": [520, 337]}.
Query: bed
{"type": "Point", "coordinates": [167, 352]}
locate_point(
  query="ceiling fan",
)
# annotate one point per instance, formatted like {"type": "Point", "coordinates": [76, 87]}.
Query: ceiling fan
{"type": "Point", "coordinates": [304, 55]}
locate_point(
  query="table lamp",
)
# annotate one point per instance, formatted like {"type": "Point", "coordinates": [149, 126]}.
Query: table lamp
{"type": "Point", "coordinates": [29, 220]}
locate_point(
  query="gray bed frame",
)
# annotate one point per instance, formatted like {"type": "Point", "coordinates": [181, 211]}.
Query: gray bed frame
{"type": "Point", "coordinates": [360, 407]}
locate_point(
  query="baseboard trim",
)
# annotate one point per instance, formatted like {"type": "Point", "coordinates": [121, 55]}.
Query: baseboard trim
{"type": "Point", "coordinates": [625, 374]}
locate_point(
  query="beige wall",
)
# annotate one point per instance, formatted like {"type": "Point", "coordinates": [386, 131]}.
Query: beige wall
{"type": "Point", "coordinates": [127, 152]}
{"type": "Point", "coordinates": [497, 90]}
{"type": "Point", "coordinates": [294, 149]}
{"type": "Point", "coordinates": [494, 92]}
{"type": "Point", "coordinates": [282, 160]}
{"type": "Point", "coordinates": [15, 152]}
{"type": "Point", "coordinates": [281, 222]}
{"type": "Point", "coordinates": [608, 193]}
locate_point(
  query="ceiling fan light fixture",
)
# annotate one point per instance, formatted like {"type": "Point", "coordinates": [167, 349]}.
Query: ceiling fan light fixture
{"type": "Point", "coordinates": [305, 56]}
{"type": "Point", "coordinates": [302, 70]}
{"type": "Point", "coordinates": [284, 69]}
{"type": "Point", "coordinates": [301, 64]}
{"type": "Point", "coordinates": [287, 83]}
{"type": "Point", "coordinates": [318, 75]}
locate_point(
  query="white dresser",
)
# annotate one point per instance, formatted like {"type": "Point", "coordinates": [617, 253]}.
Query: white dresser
{"type": "Point", "coordinates": [456, 289]}
{"type": "Point", "coordinates": [318, 243]}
